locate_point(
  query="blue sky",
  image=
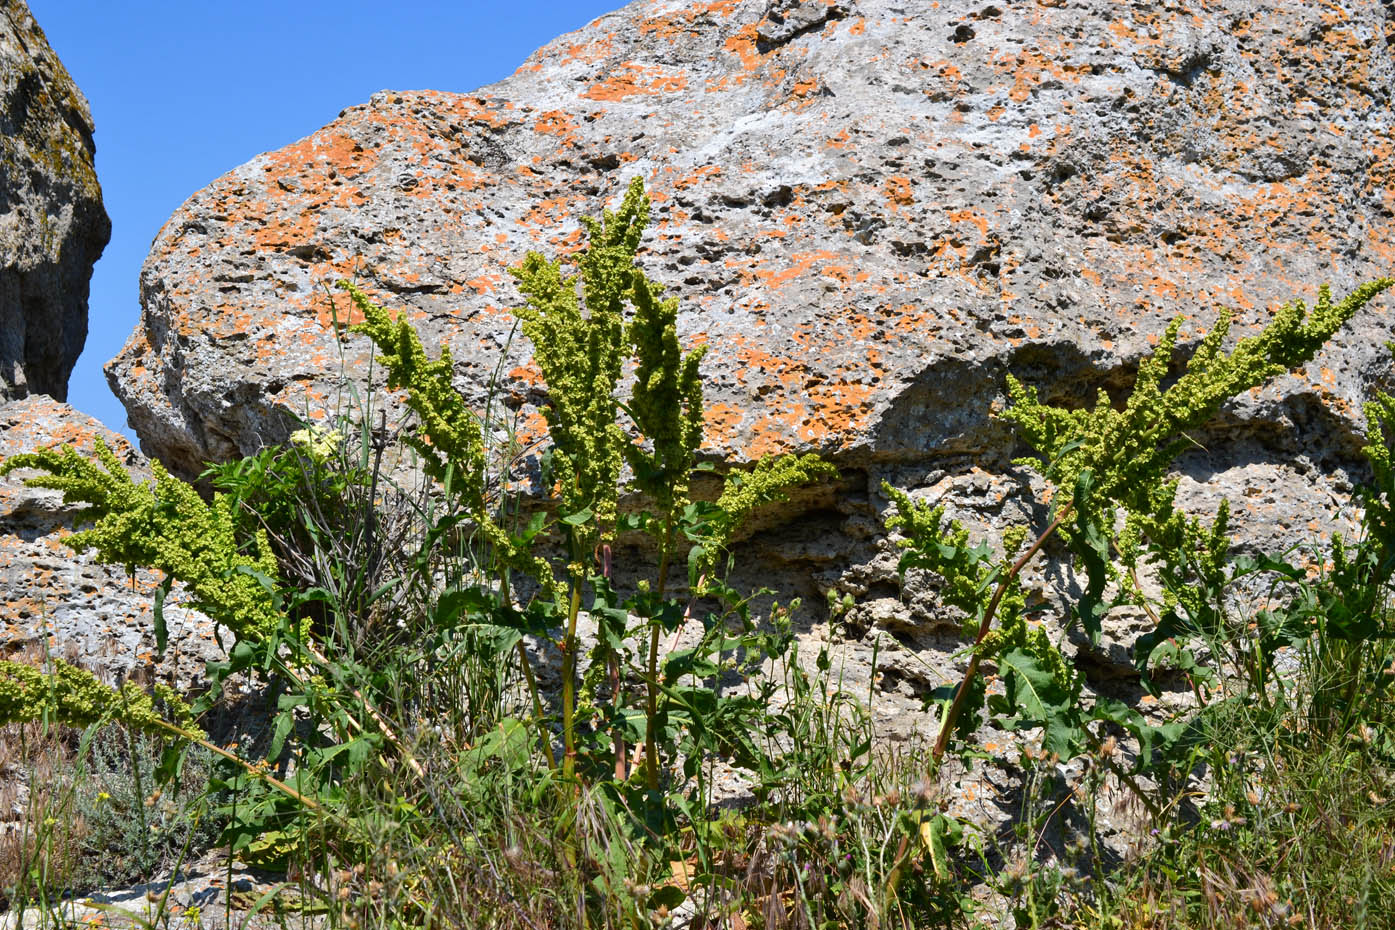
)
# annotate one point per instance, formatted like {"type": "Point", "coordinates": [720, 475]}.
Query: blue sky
{"type": "Point", "coordinates": [184, 90]}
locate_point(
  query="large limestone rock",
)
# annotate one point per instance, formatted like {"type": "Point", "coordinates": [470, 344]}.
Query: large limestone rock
{"type": "Point", "coordinates": [52, 224]}
{"type": "Point", "coordinates": [872, 211]}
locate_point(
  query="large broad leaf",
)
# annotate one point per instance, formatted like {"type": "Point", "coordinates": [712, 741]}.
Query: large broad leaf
{"type": "Point", "coordinates": [937, 834]}
{"type": "Point", "coordinates": [1038, 699]}
{"type": "Point", "coordinates": [536, 524]}
{"type": "Point", "coordinates": [1032, 689]}
{"type": "Point", "coordinates": [490, 640]}
{"type": "Point", "coordinates": [510, 743]}
{"type": "Point", "coordinates": [1170, 625]}
{"type": "Point", "coordinates": [162, 636]}
{"type": "Point", "coordinates": [579, 518]}
{"type": "Point", "coordinates": [285, 720]}
{"type": "Point", "coordinates": [1177, 659]}
{"type": "Point", "coordinates": [483, 608]}
{"type": "Point", "coordinates": [453, 602]}
{"type": "Point", "coordinates": [612, 618]}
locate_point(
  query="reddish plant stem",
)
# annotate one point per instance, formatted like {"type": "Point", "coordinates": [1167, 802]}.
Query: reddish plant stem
{"type": "Point", "coordinates": [961, 694]}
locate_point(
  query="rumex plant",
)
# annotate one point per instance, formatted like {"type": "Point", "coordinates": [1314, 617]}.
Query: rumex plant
{"type": "Point", "coordinates": [1111, 502]}
{"type": "Point", "coordinates": [589, 330]}
{"type": "Point", "coordinates": [66, 694]}
{"type": "Point", "coordinates": [165, 525]}
{"type": "Point", "coordinates": [485, 571]}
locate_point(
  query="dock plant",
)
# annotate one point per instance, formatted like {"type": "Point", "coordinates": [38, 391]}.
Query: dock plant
{"type": "Point", "coordinates": [586, 329]}
{"type": "Point", "coordinates": [441, 730]}
{"type": "Point", "coordinates": [1111, 501]}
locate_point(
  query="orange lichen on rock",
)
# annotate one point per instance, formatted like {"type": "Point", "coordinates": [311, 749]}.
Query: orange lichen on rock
{"type": "Point", "coordinates": [743, 46]}
{"type": "Point", "coordinates": [898, 191]}
{"type": "Point", "coordinates": [637, 80]}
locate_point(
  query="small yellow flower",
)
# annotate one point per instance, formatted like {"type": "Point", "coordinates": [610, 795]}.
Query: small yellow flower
{"type": "Point", "coordinates": [103, 796]}
{"type": "Point", "coordinates": [318, 442]}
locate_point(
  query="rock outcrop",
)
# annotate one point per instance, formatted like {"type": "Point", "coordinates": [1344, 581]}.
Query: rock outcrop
{"type": "Point", "coordinates": [52, 224]}
{"type": "Point", "coordinates": [53, 600]}
{"type": "Point", "coordinates": [871, 210]}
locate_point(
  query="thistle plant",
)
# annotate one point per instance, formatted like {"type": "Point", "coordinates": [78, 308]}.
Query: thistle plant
{"type": "Point", "coordinates": [1104, 468]}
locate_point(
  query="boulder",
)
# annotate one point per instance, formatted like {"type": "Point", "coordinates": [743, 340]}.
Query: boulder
{"type": "Point", "coordinates": [53, 600]}
{"type": "Point", "coordinates": [871, 210]}
{"type": "Point", "coordinates": [53, 227]}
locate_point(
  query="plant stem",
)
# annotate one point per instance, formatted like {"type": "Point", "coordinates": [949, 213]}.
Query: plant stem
{"type": "Point", "coordinates": [252, 769]}
{"type": "Point", "coordinates": [569, 684]}
{"type": "Point", "coordinates": [543, 735]}
{"type": "Point", "coordinates": [617, 694]}
{"type": "Point", "coordinates": [617, 739]}
{"type": "Point", "coordinates": [962, 692]}
{"type": "Point", "coordinates": [651, 711]}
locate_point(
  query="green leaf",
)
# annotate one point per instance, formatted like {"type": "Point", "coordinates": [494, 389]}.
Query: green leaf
{"type": "Point", "coordinates": [1033, 689]}
{"type": "Point", "coordinates": [579, 518]}
{"type": "Point", "coordinates": [284, 722]}
{"type": "Point", "coordinates": [937, 834]}
{"type": "Point", "coordinates": [536, 524]}
{"type": "Point", "coordinates": [697, 561]}
{"type": "Point", "coordinates": [1154, 742]}
{"type": "Point", "coordinates": [669, 896]}
{"type": "Point", "coordinates": [511, 742]}
{"type": "Point", "coordinates": [1091, 545]}
{"type": "Point", "coordinates": [162, 634]}
{"type": "Point", "coordinates": [1041, 700]}
{"type": "Point", "coordinates": [633, 522]}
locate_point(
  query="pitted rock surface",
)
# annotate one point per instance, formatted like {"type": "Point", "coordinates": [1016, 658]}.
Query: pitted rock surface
{"type": "Point", "coordinates": [208, 893]}
{"type": "Point", "coordinates": [871, 210]}
{"type": "Point", "coordinates": [53, 227]}
{"type": "Point", "coordinates": [53, 600]}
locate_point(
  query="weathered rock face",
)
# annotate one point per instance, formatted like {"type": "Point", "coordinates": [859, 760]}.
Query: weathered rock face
{"type": "Point", "coordinates": [54, 600]}
{"type": "Point", "coordinates": [871, 210]}
{"type": "Point", "coordinates": [52, 224]}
